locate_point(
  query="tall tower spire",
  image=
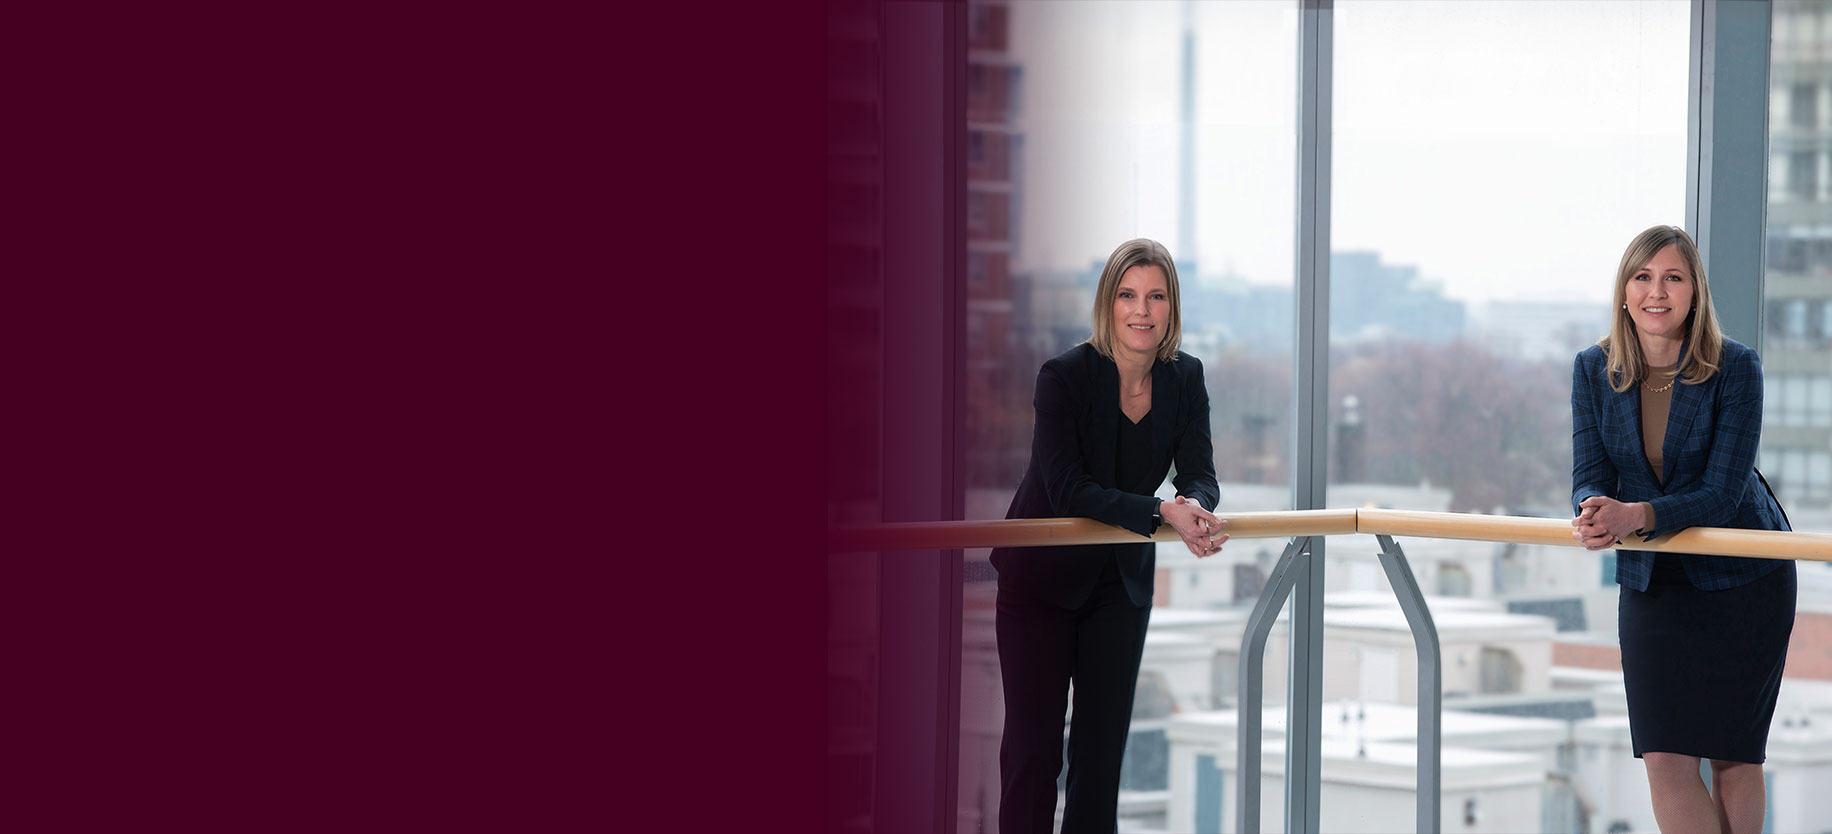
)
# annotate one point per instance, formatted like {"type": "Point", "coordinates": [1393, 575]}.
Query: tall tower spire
{"type": "Point", "coordinates": [1186, 152]}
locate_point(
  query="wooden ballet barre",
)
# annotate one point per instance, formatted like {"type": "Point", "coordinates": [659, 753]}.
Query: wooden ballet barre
{"type": "Point", "coordinates": [1720, 541]}
{"type": "Point", "coordinates": [1033, 532]}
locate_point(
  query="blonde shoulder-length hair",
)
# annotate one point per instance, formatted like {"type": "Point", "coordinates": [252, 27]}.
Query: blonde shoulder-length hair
{"type": "Point", "coordinates": [1705, 340]}
{"type": "Point", "coordinates": [1136, 252]}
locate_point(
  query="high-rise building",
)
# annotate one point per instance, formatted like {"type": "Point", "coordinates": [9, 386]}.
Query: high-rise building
{"type": "Point", "coordinates": [1797, 331]}
{"type": "Point", "coordinates": [997, 365]}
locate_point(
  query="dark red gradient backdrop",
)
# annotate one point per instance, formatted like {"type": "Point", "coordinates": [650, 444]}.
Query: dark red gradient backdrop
{"type": "Point", "coordinates": [418, 418]}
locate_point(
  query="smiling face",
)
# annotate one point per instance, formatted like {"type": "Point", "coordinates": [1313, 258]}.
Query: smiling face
{"type": "Point", "coordinates": [1141, 311]}
{"type": "Point", "coordinates": [1660, 295]}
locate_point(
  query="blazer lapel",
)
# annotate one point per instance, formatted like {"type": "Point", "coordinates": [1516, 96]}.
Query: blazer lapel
{"type": "Point", "coordinates": [1686, 402]}
{"type": "Point", "coordinates": [1106, 422]}
{"type": "Point", "coordinates": [1627, 408]}
{"type": "Point", "coordinates": [1680, 413]}
{"type": "Point", "coordinates": [1164, 404]}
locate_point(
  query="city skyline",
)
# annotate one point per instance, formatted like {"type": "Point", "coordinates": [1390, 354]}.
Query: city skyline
{"type": "Point", "coordinates": [1099, 112]}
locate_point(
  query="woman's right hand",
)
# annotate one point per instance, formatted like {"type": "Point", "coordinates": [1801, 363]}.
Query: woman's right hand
{"type": "Point", "coordinates": [1199, 528]}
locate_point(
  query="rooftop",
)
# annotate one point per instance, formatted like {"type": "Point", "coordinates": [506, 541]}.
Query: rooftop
{"type": "Point", "coordinates": [1371, 721]}
{"type": "Point", "coordinates": [1451, 624]}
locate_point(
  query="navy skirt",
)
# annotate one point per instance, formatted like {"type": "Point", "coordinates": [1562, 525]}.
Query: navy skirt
{"type": "Point", "coordinates": [1702, 668]}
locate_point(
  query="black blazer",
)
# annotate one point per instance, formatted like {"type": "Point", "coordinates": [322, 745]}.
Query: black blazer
{"type": "Point", "coordinates": [1071, 473]}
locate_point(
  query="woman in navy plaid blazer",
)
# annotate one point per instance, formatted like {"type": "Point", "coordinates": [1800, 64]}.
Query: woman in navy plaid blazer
{"type": "Point", "coordinates": [1666, 415]}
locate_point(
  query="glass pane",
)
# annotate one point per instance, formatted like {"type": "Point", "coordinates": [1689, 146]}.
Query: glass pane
{"type": "Point", "coordinates": [1491, 162]}
{"type": "Point", "coordinates": [1797, 347]}
{"type": "Point", "coordinates": [1089, 124]}
{"type": "Point", "coordinates": [1797, 340]}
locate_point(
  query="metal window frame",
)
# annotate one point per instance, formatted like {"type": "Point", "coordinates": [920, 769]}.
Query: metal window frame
{"type": "Point", "coordinates": [1310, 441]}
{"type": "Point", "coordinates": [916, 760]}
{"type": "Point", "coordinates": [1727, 156]}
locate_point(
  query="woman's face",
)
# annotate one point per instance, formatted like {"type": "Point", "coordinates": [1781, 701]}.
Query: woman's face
{"type": "Point", "coordinates": [1660, 294]}
{"type": "Point", "coordinates": [1141, 310]}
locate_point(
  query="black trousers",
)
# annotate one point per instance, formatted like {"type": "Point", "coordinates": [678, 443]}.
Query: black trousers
{"type": "Point", "coordinates": [1042, 648]}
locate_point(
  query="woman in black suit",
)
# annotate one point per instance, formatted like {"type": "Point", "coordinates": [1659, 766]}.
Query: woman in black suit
{"type": "Point", "coordinates": [1113, 414]}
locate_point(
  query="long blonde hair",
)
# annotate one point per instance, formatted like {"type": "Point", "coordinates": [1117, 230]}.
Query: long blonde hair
{"type": "Point", "coordinates": [1705, 340]}
{"type": "Point", "coordinates": [1136, 252]}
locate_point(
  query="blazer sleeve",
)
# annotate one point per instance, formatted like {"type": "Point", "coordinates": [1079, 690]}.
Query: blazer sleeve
{"type": "Point", "coordinates": [1736, 433]}
{"type": "Point", "coordinates": [1592, 473]}
{"type": "Point", "coordinates": [1195, 451]}
{"type": "Point", "coordinates": [1066, 482]}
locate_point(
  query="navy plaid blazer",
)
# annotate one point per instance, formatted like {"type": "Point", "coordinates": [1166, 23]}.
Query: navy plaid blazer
{"type": "Point", "coordinates": [1708, 461]}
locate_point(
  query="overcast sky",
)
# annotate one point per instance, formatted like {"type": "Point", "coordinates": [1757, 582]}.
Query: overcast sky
{"type": "Point", "coordinates": [1506, 149]}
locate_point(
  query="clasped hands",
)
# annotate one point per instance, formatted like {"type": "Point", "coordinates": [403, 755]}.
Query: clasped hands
{"type": "Point", "coordinates": [1199, 528]}
{"type": "Point", "coordinates": [1603, 521]}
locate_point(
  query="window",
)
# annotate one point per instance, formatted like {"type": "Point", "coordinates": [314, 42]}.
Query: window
{"type": "Point", "coordinates": [984, 25]}
{"type": "Point", "coordinates": [1449, 357]}
{"type": "Point", "coordinates": [1501, 671]}
{"type": "Point", "coordinates": [1091, 123]}
{"type": "Point", "coordinates": [1793, 468]}
{"type": "Point", "coordinates": [1224, 678]}
{"type": "Point", "coordinates": [1797, 341]}
{"type": "Point", "coordinates": [1803, 175]}
{"type": "Point", "coordinates": [1454, 581]}
{"type": "Point", "coordinates": [1794, 400]}
{"type": "Point", "coordinates": [1804, 474]}
{"type": "Point", "coordinates": [1786, 255]}
{"type": "Point", "coordinates": [1794, 318]}
{"type": "Point", "coordinates": [1803, 108]}
{"type": "Point", "coordinates": [977, 266]}
{"type": "Point", "coordinates": [1451, 352]}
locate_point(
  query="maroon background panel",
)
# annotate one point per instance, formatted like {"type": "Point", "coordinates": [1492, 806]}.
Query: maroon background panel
{"type": "Point", "coordinates": [420, 418]}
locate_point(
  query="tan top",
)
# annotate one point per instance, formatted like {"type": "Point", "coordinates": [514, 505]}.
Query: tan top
{"type": "Point", "coordinates": [1654, 413]}
{"type": "Point", "coordinates": [1654, 407]}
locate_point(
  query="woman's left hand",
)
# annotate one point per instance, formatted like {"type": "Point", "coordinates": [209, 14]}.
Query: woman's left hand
{"type": "Point", "coordinates": [1199, 528]}
{"type": "Point", "coordinates": [1602, 516]}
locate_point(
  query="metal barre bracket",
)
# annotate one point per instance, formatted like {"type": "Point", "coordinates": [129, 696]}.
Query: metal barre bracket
{"type": "Point", "coordinates": [1285, 573]}
{"type": "Point", "coordinates": [1431, 683]}
{"type": "Point", "coordinates": [1252, 674]}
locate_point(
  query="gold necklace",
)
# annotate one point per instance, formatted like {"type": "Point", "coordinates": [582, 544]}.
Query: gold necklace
{"type": "Point", "coordinates": [1662, 389]}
